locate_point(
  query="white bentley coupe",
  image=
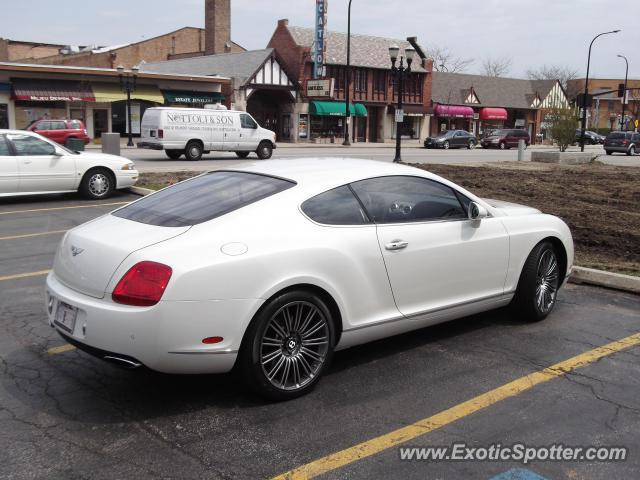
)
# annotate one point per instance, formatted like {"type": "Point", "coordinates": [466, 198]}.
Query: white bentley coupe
{"type": "Point", "coordinates": [271, 267]}
{"type": "Point", "coordinates": [31, 164]}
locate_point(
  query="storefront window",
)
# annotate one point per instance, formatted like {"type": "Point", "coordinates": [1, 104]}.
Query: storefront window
{"type": "Point", "coordinates": [28, 112]}
{"type": "Point", "coordinates": [326, 126]}
{"type": "Point", "coordinates": [303, 125]}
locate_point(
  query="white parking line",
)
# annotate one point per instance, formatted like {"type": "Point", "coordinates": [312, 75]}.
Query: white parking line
{"type": "Point", "coordinates": [28, 235]}
{"type": "Point", "coordinates": [23, 275]}
{"type": "Point", "coordinates": [63, 208]}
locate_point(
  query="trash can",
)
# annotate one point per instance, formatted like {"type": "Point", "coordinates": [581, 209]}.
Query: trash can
{"type": "Point", "coordinates": [75, 144]}
{"type": "Point", "coordinates": [111, 143]}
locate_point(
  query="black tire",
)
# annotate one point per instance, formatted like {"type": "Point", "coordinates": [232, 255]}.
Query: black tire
{"type": "Point", "coordinates": [263, 348]}
{"type": "Point", "coordinates": [503, 146]}
{"type": "Point", "coordinates": [97, 184]}
{"type": "Point", "coordinates": [67, 142]}
{"type": "Point", "coordinates": [193, 151]}
{"type": "Point", "coordinates": [538, 285]}
{"type": "Point", "coordinates": [632, 150]}
{"type": "Point", "coordinates": [446, 145]}
{"type": "Point", "coordinates": [174, 154]}
{"type": "Point", "coordinates": [242, 154]}
{"type": "Point", "coordinates": [609, 152]}
{"type": "Point", "coordinates": [472, 145]}
{"type": "Point", "coordinates": [264, 150]}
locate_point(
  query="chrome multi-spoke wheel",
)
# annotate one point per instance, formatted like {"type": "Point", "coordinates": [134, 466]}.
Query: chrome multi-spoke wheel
{"type": "Point", "coordinates": [294, 345]}
{"type": "Point", "coordinates": [539, 282]}
{"type": "Point", "coordinates": [97, 184]}
{"type": "Point", "coordinates": [288, 345]}
{"type": "Point", "coordinates": [546, 281]}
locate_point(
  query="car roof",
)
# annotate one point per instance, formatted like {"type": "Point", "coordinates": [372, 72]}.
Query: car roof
{"type": "Point", "coordinates": [320, 174]}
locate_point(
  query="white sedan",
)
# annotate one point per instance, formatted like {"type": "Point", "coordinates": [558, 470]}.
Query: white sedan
{"type": "Point", "coordinates": [32, 164]}
{"type": "Point", "coordinates": [271, 267]}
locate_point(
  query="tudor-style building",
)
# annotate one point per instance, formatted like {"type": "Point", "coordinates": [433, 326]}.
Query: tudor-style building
{"type": "Point", "coordinates": [478, 103]}
{"type": "Point", "coordinates": [260, 84]}
{"type": "Point", "coordinates": [319, 111]}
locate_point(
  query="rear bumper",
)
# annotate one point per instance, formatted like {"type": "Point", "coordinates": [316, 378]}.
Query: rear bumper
{"type": "Point", "coordinates": [616, 148]}
{"type": "Point", "coordinates": [151, 145]}
{"type": "Point", "coordinates": [166, 337]}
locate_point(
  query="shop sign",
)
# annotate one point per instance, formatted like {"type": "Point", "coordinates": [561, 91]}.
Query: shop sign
{"type": "Point", "coordinates": [320, 88]}
{"type": "Point", "coordinates": [320, 46]}
{"type": "Point", "coordinates": [399, 116]}
{"type": "Point", "coordinates": [49, 98]}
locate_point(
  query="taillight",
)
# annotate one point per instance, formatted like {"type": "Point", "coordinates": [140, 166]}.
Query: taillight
{"type": "Point", "coordinates": [143, 285]}
{"type": "Point", "coordinates": [626, 142]}
{"type": "Point", "coordinates": [160, 133]}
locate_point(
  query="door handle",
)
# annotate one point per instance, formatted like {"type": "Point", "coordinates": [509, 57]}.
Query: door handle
{"type": "Point", "coordinates": [396, 245]}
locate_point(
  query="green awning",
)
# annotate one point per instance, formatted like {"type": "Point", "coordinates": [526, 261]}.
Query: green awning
{"type": "Point", "coordinates": [337, 109]}
{"type": "Point", "coordinates": [182, 96]}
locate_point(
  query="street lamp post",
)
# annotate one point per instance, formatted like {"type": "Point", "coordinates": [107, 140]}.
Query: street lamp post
{"type": "Point", "coordinates": [623, 123]}
{"type": "Point", "coordinates": [128, 85]}
{"type": "Point", "coordinates": [347, 81]}
{"type": "Point", "coordinates": [583, 126]}
{"type": "Point", "coordinates": [399, 72]}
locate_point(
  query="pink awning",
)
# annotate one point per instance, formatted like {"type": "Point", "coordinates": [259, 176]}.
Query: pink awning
{"type": "Point", "coordinates": [457, 111]}
{"type": "Point", "coordinates": [489, 113]}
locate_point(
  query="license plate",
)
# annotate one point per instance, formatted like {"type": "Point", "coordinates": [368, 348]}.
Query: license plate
{"type": "Point", "coordinates": [66, 317]}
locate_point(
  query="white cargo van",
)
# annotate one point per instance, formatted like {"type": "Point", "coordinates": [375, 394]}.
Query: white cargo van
{"type": "Point", "coordinates": [194, 131]}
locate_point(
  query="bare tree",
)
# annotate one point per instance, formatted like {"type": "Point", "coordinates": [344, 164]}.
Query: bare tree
{"type": "Point", "coordinates": [553, 72]}
{"type": "Point", "coordinates": [445, 61]}
{"type": "Point", "coordinates": [496, 67]}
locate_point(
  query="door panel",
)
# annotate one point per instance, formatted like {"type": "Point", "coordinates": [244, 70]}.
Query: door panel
{"type": "Point", "coordinates": [9, 175]}
{"type": "Point", "coordinates": [445, 263]}
{"type": "Point", "coordinates": [248, 133]}
{"type": "Point", "coordinates": [232, 134]}
{"type": "Point", "coordinates": [40, 169]}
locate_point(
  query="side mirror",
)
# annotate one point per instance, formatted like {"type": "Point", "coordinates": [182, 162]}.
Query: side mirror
{"type": "Point", "coordinates": [477, 212]}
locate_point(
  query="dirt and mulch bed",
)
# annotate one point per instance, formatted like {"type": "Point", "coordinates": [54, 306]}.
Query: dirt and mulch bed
{"type": "Point", "coordinates": [600, 203]}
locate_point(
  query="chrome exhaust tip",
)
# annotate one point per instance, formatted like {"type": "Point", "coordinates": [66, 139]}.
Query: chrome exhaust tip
{"type": "Point", "coordinates": [122, 362]}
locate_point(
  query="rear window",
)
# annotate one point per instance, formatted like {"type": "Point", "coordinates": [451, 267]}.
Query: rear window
{"type": "Point", "coordinates": [203, 198]}
{"type": "Point", "coordinates": [75, 125]}
{"type": "Point", "coordinates": [616, 135]}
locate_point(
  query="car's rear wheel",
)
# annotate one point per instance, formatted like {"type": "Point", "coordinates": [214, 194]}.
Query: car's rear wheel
{"type": "Point", "coordinates": [242, 154]}
{"type": "Point", "coordinates": [539, 283]}
{"type": "Point", "coordinates": [446, 145]}
{"type": "Point", "coordinates": [609, 152]}
{"type": "Point", "coordinates": [264, 151]}
{"type": "Point", "coordinates": [503, 146]}
{"type": "Point", "coordinates": [632, 150]}
{"type": "Point", "coordinates": [288, 346]}
{"type": "Point", "coordinates": [194, 151]}
{"type": "Point", "coordinates": [174, 154]}
{"type": "Point", "coordinates": [472, 144]}
{"type": "Point", "coordinates": [97, 184]}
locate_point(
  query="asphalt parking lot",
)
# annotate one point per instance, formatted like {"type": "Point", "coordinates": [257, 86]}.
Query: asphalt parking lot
{"type": "Point", "coordinates": [64, 414]}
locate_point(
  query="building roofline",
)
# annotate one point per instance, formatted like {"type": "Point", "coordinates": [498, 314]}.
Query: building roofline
{"type": "Point", "coordinates": [104, 72]}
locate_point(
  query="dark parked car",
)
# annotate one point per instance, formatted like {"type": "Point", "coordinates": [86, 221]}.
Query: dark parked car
{"type": "Point", "coordinates": [590, 138]}
{"type": "Point", "coordinates": [622, 142]}
{"type": "Point", "coordinates": [452, 139]}
{"type": "Point", "coordinates": [60, 131]}
{"type": "Point", "coordinates": [505, 138]}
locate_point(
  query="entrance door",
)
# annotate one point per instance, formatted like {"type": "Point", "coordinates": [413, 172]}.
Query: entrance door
{"type": "Point", "coordinates": [373, 124]}
{"type": "Point", "coordinates": [100, 122]}
{"type": "Point", "coordinates": [435, 256]}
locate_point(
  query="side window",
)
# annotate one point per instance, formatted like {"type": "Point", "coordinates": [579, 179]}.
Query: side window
{"type": "Point", "coordinates": [28, 145]}
{"type": "Point", "coordinates": [43, 126]}
{"type": "Point", "coordinates": [4, 147]}
{"type": "Point", "coordinates": [75, 125]}
{"type": "Point", "coordinates": [58, 126]}
{"type": "Point", "coordinates": [335, 207]}
{"type": "Point", "coordinates": [401, 199]}
{"type": "Point", "coordinates": [247, 122]}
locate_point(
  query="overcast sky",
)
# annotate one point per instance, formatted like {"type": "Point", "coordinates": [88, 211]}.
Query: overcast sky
{"type": "Point", "coordinates": [531, 33]}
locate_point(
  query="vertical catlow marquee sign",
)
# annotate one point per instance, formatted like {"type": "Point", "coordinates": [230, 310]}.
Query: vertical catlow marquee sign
{"type": "Point", "coordinates": [321, 28]}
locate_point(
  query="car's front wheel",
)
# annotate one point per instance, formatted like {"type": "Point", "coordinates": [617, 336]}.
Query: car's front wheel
{"type": "Point", "coordinates": [288, 346]}
{"type": "Point", "coordinates": [446, 145]}
{"type": "Point", "coordinates": [472, 144]}
{"type": "Point", "coordinates": [609, 152]}
{"type": "Point", "coordinates": [632, 150]}
{"type": "Point", "coordinates": [264, 151]}
{"type": "Point", "coordinates": [97, 184]}
{"type": "Point", "coordinates": [503, 146]}
{"type": "Point", "coordinates": [539, 283]}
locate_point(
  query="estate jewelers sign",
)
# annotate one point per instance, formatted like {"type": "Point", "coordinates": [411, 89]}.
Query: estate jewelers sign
{"type": "Point", "coordinates": [320, 88]}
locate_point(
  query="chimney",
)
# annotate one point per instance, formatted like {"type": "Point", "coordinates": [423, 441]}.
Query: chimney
{"type": "Point", "coordinates": [217, 25]}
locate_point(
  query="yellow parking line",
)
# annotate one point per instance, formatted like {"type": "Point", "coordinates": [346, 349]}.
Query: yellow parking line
{"type": "Point", "coordinates": [424, 426]}
{"type": "Point", "coordinates": [63, 208]}
{"type": "Point", "coordinates": [27, 235]}
{"type": "Point", "coordinates": [60, 349]}
{"type": "Point", "coordinates": [23, 275]}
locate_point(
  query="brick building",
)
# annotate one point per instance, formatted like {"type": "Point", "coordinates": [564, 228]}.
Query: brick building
{"type": "Point", "coordinates": [605, 112]}
{"type": "Point", "coordinates": [320, 118]}
{"type": "Point", "coordinates": [185, 42]}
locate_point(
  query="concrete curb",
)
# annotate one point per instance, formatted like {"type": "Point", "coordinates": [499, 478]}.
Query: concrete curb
{"type": "Point", "coordinates": [601, 278]}
{"type": "Point", "coordinates": [141, 191]}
